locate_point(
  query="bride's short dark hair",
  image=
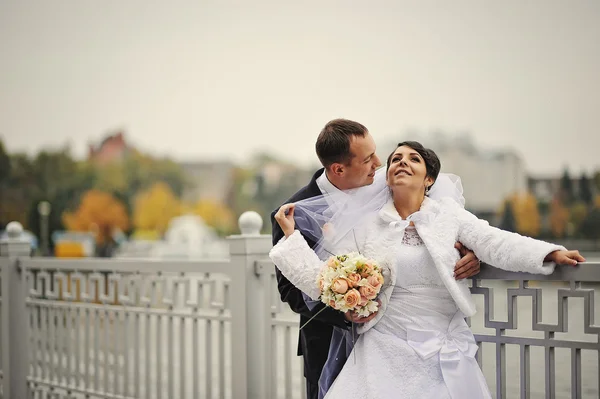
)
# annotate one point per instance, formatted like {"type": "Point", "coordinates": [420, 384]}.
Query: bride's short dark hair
{"type": "Point", "coordinates": [333, 143]}
{"type": "Point", "coordinates": [432, 162]}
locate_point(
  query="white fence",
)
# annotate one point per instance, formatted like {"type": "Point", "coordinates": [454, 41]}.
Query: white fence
{"type": "Point", "coordinates": [94, 328]}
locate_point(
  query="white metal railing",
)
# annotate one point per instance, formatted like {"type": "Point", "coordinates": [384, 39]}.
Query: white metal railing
{"type": "Point", "coordinates": [545, 332]}
{"type": "Point", "coordinates": [110, 328]}
{"type": "Point", "coordinates": [131, 333]}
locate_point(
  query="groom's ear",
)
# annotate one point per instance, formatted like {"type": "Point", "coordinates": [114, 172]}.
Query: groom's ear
{"type": "Point", "coordinates": [337, 169]}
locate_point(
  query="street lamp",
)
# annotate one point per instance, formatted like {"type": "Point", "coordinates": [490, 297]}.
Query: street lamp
{"type": "Point", "coordinates": [44, 209]}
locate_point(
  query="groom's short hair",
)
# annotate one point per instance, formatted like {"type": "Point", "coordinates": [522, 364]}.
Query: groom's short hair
{"type": "Point", "coordinates": [333, 143]}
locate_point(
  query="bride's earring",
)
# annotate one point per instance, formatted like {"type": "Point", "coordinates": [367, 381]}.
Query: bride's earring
{"type": "Point", "coordinates": [427, 190]}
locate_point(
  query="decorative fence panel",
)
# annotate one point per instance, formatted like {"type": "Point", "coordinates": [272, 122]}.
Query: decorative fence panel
{"type": "Point", "coordinates": [537, 334]}
{"type": "Point", "coordinates": [287, 369]}
{"type": "Point", "coordinates": [140, 330]}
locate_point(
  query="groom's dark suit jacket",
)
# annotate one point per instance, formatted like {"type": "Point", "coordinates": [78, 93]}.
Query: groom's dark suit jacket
{"type": "Point", "coordinates": [315, 337]}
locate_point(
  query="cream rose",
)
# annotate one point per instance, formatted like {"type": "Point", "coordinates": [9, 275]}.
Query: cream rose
{"type": "Point", "coordinates": [352, 298]}
{"type": "Point", "coordinates": [368, 291]}
{"type": "Point", "coordinates": [339, 286]}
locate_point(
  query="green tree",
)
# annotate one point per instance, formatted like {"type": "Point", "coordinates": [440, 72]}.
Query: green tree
{"type": "Point", "coordinates": [566, 187]}
{"type": "Point", "coordinates": [578, 213]}
{"type": "Point", "coordinates": [60, 180]}
{"type": "Point", "coordinates": [4, 166]}
{"type": "Point", "coordinates": [51, 175]}
{"type": "Point", "coordinates": [508, 221]}
{"type": "Point", "coordinates": [4, 177]}
{"type": "Point", "coordinates": [590, 227]}
{"type": "Point", "coordinates": [17, 190]}
{"type": "Point", "coordinates": [138, 172]}
{"type": "Point", "coordinates": [585, 190]}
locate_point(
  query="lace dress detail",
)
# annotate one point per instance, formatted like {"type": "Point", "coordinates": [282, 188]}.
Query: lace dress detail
{"type": "Point", "coordinates": [411, 237]}
{"type": "Point", "coordinates": [414, 265]}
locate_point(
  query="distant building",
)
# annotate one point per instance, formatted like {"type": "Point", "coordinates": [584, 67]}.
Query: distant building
{"type": "Point", "coordinates": [276, 175]}
{"type": "Point", "coordinates": [208, 180]}
{"type": "Point", "coordinates": [113, 148]}
{"type": "Point", "coordinates": [544, 188]}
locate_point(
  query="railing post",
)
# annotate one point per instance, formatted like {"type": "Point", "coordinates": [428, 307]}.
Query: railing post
{"type": "Point", "coordinates": [251, 312]}
{"type": "Point", "coordinates": [15, 328]}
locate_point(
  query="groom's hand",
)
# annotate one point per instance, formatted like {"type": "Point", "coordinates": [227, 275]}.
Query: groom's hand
{"type": "Point", "coordinates": [353, 317]}
{"type": "Point", "coordinates": [468, 265]}
{"type": "Point", "coordinates": [285, 219]}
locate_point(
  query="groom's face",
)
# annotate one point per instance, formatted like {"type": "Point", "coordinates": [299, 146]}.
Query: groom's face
{"type": "Point", "coordinates": [361, 169]}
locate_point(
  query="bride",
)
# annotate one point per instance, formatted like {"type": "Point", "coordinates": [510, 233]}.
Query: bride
{"type": "Point", "coordinates": [418, 345]}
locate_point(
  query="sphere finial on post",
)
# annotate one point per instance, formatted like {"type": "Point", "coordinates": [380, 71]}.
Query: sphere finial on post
{"type": "Point", "coordinates": [250, 223]}
{"type": "Point", "coordinates": [14, 230]}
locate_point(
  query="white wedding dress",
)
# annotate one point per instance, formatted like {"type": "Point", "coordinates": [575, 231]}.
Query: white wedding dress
{"type": "Point", "coordinates": [421, 347]}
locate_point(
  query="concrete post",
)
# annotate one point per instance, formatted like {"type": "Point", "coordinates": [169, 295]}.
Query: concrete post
{"type": "Point", "coordinates": [251, 334]}
{"type": "Point", "coordinates": [14, 323]}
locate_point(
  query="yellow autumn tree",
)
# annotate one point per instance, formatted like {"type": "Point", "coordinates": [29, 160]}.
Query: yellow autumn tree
{"type": "Point", "coordinates": [98, 211]}
{"type": "Point", "coordinates": [526, 213]}
{"type": "Point", "coordinates": [559, 218]}
{"type": "Point", "coordinates": [597, 202]}
{"type": "Point", "coordinates": [577, 214]}
{"type": "Point", "coordinates": [154, 209]}
{"type": "Point", "coordinates": [216, 215]}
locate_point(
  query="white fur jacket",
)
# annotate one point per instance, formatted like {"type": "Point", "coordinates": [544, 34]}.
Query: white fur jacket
{"type": "Point", "coordinates": [440, 224]}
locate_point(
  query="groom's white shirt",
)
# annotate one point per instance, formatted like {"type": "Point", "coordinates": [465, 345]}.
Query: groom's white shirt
{"type": "Point", "coordinates": [327, 188]}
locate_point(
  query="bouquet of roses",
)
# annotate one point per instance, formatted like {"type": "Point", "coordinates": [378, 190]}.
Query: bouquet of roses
{"type": "Point", "coordinates": [350, 282]}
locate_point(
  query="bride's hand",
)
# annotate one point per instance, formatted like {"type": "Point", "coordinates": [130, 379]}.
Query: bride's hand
{"type": "Point", "coordinates": [286, 221]}
{"type": "Point", "coordinates": [565, 257]}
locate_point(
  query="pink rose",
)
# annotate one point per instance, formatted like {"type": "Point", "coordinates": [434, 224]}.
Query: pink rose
{"type": "Point", "coordinates": [367, 270]}
{"type": "Point", "coordinates": [353, 279]}
{"type": "Point", "coordinates": [374, 281]}
{"type": "Point", "coordinates": [339, 286]}
{"type": "Point", "coordinates": [332, 262]}
{"type": "Point", "coordinates": [352, 298]}
{"type": "Point", "coordinates": [368, 291]}
{"type": "Point", "coordinates": [332, 303]}
{"type": "Point", "coordinates": [363, 301]}
{"type": "Point", "coordinates": [321, 284]}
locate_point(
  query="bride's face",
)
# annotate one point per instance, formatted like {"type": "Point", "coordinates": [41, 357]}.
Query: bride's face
{"type": "Point", "coordinates": [408, 170]}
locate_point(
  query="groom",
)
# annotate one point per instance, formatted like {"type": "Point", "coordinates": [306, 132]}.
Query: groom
{"type": "Point", "coordinates": [347, 152]}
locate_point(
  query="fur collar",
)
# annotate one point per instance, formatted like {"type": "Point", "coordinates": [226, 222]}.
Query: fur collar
{"type": "Point", "coordinates": [426, 213]}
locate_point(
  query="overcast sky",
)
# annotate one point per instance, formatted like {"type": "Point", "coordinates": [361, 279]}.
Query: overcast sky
{"type": "Point", "coordinates": [210, 79]}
